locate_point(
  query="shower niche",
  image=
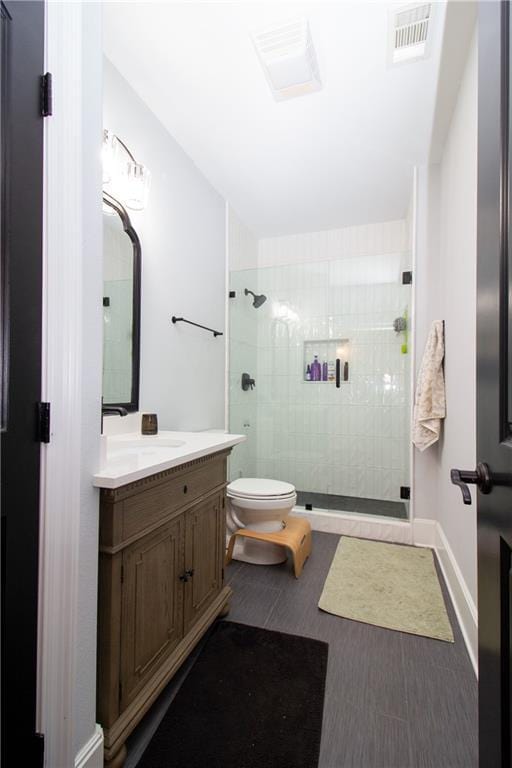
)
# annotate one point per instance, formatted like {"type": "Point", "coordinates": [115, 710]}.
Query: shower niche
{"type": "Point", "coordinates": [326, 360]}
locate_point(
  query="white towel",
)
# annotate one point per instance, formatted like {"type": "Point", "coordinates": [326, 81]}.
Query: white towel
{"type": "Point", "coordinates": [430, 402]}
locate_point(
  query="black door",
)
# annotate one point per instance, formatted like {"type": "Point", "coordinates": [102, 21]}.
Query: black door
{"type": "Point", "coordinates": [494, 384]}
{"type": "Point", "coordinates": [21, 126]}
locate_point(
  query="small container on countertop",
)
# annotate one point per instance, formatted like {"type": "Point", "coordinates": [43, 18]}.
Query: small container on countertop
{"type": "Point", "coordinates": [149, 424]}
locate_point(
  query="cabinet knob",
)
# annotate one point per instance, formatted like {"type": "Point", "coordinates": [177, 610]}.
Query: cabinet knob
{"type": "Point", "coordinates": [187, 575]}
{"type": "Point", "coordinates": [185, 488]}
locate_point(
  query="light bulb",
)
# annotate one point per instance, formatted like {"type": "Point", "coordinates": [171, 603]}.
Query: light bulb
{"type": "Point", "coordinates": [108, 155]}
{"type": "Point", "coordinates": [137, 182]}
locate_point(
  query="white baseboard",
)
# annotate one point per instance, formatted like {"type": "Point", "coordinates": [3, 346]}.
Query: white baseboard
{"type": "Point", "coordinates": [362, 526]}
{"type": "Point", "coordinates": [421, 532]}
{"type": "Point", "coordinates": [424, 532]}
{"type": "Point", "coordinates": [462, 600]}
{"type": "Point", "coordinates": [91, 754]}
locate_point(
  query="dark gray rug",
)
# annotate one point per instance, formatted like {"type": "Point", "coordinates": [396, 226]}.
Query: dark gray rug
{"type": "Point", "coordinates": [253, 699]}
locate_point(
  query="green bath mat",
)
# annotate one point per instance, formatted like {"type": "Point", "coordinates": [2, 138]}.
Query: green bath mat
{"type": "Point", "coordinates": [389, 585]}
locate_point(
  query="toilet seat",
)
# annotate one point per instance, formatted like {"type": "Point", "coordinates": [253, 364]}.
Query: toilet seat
{"type": "Point", "coordinates": [261, 505]}
{"type": "Point", "coordinates": [260, 489]}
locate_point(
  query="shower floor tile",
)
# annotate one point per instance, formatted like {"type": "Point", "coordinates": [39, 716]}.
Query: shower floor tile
{"type": "Point", "coordinates": [335, 503]}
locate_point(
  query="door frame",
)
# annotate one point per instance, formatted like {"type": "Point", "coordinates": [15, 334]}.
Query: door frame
{"type": "Point", "coordinates": [71, 381]}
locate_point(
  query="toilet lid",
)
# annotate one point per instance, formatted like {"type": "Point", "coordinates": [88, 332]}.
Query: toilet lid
{"type": "Point", "coordinates": [257, 488]}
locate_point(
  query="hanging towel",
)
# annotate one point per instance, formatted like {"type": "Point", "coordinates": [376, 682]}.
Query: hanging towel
{"type": "Point", "coordinates": [430, 402]}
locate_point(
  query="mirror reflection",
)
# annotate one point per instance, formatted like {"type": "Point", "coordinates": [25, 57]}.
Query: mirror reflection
{"type": "Point", "coordinates": [121, 307]}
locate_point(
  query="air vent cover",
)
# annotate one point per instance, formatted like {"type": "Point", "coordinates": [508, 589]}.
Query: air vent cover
{"type": "Point", "coordinates": [410, 29]}
{"type": "Point", "coordinates": [288, 59]}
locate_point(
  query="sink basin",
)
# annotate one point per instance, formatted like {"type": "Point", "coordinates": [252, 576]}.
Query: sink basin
{"type": "Point", "coordinates": [145, 445]}
{"type": "Point", "coordinates": [130, 456]}
{"type": "Point", "coordinates": [151, 441]}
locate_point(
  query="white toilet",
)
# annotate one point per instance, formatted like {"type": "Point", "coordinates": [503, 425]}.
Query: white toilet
{"type": "Point", "coordinates": [260, 505]}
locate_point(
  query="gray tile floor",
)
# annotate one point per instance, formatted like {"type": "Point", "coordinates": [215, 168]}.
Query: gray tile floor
{"type": "Point", "coordinates": [392, 700]}
{"type": "Point", "coordinates": [336, 503]}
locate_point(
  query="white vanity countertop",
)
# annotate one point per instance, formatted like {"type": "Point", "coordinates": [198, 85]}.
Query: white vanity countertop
{"type": "Point", "coordinates": [133, 456]}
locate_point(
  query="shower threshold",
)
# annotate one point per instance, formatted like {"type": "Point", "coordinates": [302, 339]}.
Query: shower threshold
{"type": "Point", "coordinates": [331, 502]}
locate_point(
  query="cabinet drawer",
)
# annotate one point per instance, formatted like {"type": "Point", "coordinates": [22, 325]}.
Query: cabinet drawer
{"type": "Point", "coordinates": [144, 509]}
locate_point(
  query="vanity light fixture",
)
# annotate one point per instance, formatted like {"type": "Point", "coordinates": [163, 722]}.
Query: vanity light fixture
{"type": "Point", "coordinates": [107, 155]}
{"type": "Point", "coordinates": [124, 178]}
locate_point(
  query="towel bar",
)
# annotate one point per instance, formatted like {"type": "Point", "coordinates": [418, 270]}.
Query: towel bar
{"type": "Point", "coordinates": [175, 320]}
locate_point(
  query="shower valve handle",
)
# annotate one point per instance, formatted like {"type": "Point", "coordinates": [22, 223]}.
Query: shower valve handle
{"type": "Point", "coordinates": [247, 382]}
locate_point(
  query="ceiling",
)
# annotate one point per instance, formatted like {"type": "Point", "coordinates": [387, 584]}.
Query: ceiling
{"type": "Point", "coordinates": [339, 157]}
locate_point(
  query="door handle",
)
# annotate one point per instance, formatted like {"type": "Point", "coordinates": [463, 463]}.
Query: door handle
{"type": "Point", "coordinates": [482, 477]}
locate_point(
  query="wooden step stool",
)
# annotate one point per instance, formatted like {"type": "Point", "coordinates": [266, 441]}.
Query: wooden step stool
{"type": "Point", "coordinates": [295, 536]}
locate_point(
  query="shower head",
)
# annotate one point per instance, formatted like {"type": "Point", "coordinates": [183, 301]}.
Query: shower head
{"type": "Point", "coordinates": [258, 300]}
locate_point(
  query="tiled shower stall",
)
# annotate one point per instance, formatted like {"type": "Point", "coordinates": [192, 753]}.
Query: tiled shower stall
{"type": "Point", "coordinates": [343, 442]}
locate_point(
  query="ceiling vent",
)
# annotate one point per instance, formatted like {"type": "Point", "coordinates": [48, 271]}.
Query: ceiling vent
{"type": "Point", "coordinates": [288, 59]}
{"type": "Point", "coordinates": [410, 30]}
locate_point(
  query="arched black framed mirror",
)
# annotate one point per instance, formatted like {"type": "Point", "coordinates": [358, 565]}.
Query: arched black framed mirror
{"type": "Point", "coordinates": [121, 307]}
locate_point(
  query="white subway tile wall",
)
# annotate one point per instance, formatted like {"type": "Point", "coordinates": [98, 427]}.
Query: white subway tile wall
{"type": "Point", "coordinates": [388, 237]}
{"type": "Point", "coordinates": [243, 344]}
{"type": "Point", "coordinates": [243, 357]}
{"type": "Point", "coordinates": [351, 441]}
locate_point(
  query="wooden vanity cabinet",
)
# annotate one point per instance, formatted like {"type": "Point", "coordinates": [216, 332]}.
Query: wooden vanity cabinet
{"type": "Point", "coordinates": [204, 556]}
{"type": "Point", "coordinates": [151, 606]}
{"type": "Point", "coordinates": [161, 585]}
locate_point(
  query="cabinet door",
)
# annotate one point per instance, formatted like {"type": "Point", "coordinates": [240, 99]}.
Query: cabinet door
{"type": "Point", "coordinates": [204, 555]}
{"type": "Point", "coordinates": [152, 605]}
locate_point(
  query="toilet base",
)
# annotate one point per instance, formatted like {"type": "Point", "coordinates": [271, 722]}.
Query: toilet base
{"type": "Point", "coordinates": [259, 552]}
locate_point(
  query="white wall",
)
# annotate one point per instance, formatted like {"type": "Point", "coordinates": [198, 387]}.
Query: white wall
{"type": "Point", "coordinates": [242, 243]}
{"type": "Point", "coordinates": [427, 309]}
{"type": "Point", "coordinates": [457, 285]}
{"type": "Point", "coordinates": [446, 290]}
{"type": "Point", "coordinates": [182, 233]}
